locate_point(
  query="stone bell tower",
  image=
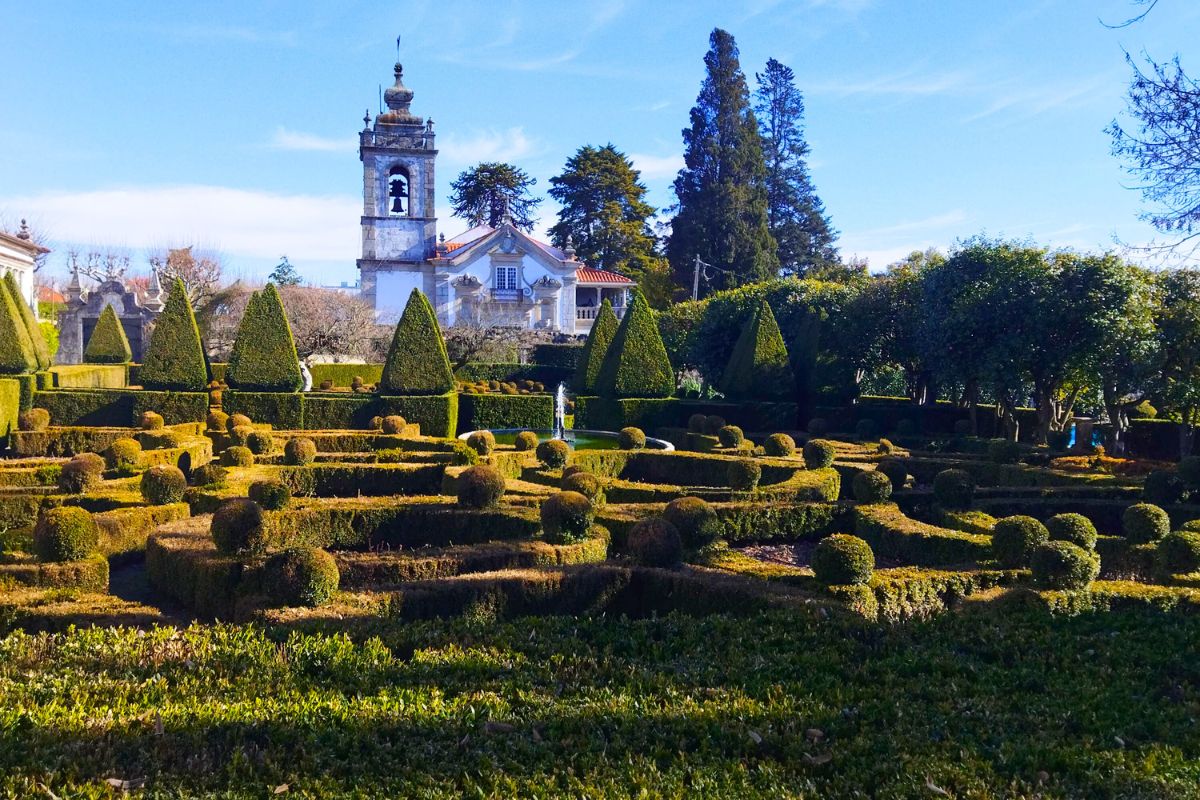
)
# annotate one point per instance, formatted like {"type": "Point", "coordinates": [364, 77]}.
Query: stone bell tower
{"type": "Point", "coordinates": [399, 228]}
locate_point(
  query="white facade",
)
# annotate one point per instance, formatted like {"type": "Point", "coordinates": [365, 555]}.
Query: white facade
{"type": "Point", "coordinates": [485, 276]}
{"type": "Point", "coordinates": [18, 255]}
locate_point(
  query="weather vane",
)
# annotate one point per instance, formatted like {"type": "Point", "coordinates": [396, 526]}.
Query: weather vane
{"type": "Point", "coordinates": [397, 48]}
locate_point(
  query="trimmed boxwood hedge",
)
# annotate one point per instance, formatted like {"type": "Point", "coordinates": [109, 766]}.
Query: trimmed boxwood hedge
{"type": "Point", "coordinates": [264, 353]}
{"type": "Point", "coordinates": [759, 366]}
{"type": "Point", "coordinates": [565, 356]}
{"type": "Point", "coordinates": [550, 377]}
{"type": "Point", "coordinates": [496, 411]}
{"type": "Point", "coordinates": [636, 364]}
{"type": "Point", "coordinates": [366, 480]}
{"type": "Point", "coordinates": [10, 408]}
{"type": "Point", "coordinates": [108, 343]}
{"type": "Point", "coordinates": [284, 410]}
{"type": "Point", "coordinates": [175, 359]}
{"type": "Point", "coordinates": [344, 374]}
{"type": "Point", "coordinates": [893, 535]}
{"type": "Point", "coordinates": [17, 355]}
{"type": "Point", "coordinates": [600, 337]}
{"type": "Point", "coordinates": [417, 363]}
{"type": "Point", "coordinates": [41, 351]}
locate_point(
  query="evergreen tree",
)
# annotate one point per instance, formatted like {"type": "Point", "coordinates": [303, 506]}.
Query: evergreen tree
{"type": "Point", "coordinates": [636, 364]}
{"type": "Point", "coordinates": [285, 274]}
{"type": "Point", "coordinates": [605, 214]}
{"type": "Point", "coordinates": [417, 362]}
{"type": "Point", "coordinates": [604, 328]}
{"type": "Point", "coordinates": [175, 358]}
{"type": "Point", "coordinates": [16, 350]}
{"type": "Point", "coordinates": [108, 343]}
{"type": "Point", "coordinates": [264, 353]}
{"type": "Point", "coordinates": [722, 211]}
{"type": "Point", "coordinates": [795, 214]}
{"type": "Point", "coordinates": [759, 366]}
{"type": "Point", "coordinates": [41, 350]}
{"type": "Point", "coordinates": [487, 192]}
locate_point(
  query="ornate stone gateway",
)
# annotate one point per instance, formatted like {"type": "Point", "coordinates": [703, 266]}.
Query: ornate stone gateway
{"type": "Point", "coordinates": [78, 319]}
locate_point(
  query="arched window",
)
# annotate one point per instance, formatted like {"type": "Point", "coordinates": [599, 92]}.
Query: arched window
{"type": "Point", "coordinates": [398, 191]}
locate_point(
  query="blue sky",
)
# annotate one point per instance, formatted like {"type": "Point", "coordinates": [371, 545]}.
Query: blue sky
{"type": "Point", "coordinates": [233, 124]}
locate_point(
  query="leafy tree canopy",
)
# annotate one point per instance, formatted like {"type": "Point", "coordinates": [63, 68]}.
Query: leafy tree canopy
{"type": "Point", "coordinates": [487, 192]}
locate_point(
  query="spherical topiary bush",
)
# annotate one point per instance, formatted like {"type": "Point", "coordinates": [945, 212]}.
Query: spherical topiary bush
{"type": "Point", "coordinates": [299, 451]}
{"type": "Point", "coordinates": [66, 533]}
{"type": "Point", "coordinates": [480, 486]}
{"type": "Point", "coordinates": [1189, 472]}
{"type": "Point", "coordinates": [566, 517]}
{"type": "Point", "coordinates": [81, 473]}
{"type": "Point", "coordinates": [586, 484]}
{"type": "Point", "coordinates": [906, 427]}
{"type": "Point", "coordinates": [301, 576]}
{"type": "Point", "coordinates": [482, 442]}
{"type": "Point", "coordinates": [871, 487]}
{"type": "Point", "coordinates": [818, 454]}
{"type": "Point", "coordinates": [1004, 451]}
{"type": "Point", "coordinates": [1062, 565]}
{"type": "Point", "coordinates": [270, 493]}
{"type": "Point", "coordinates": [124, 455]}
{"type": "Point", "coordinates": [238, 529]}
{"type": "Point", "coordinates": [162, 484]}
{"type": "Point", "coordinates": [654, 542]}
{"type": "Point", "coordinates": [817, 426]}
{"type": "Point", "coordinates": [526, 441]}
{"type": "Point", "coordinates": [696, 521]}
{"type": "Point", "coordinates": [260, 442]}
{"type": "Point", "coordinates": [885, 447]}
{"type": "Point", "coordinates": [326, 385]}
{"type": "Point", "coordinates": [210, 476]}
{"type": "Point", "coordinates": [712, 424]}
{"type": "Point", "coordinates": [1015, 538]}
{"type": "Point", "coordinates": [743, 475]}
{"type": "Point", "coordinates": [865, 429]}
{"type": "Point", "coordinates": [393, 424]}
{"type": "Point", "coordinates": [1074, 528]}
{"type": "Point", "coordinates": [962, 427]}
{"type": "Point", "coordinates": [239, 435]}
{"type": "Point", "coordinates": [731, 436]}
{"type": "Point", "coordinates": [151, 421]}
{"type": "Point", "coordinates": [1178, 553]}
{"type": "Point", "coordinates": [953, 488]}
{"type": "Point", "coordinates": [237, 456]}
{"type": "Point", "coordinates": [553, 453]}
{"type": "Point", "coordinates": [842, 559]}
{"type": "Point", "coordinates": [696, 423]}
{"type": "Point", "coordinates": [218, 421]}
{"type": "Point", "coordinates": [1163, 488]}
{"type": "Point", "coordinates": [376, 423]}
{"type": "Point", "coordinates": [1143, 523]}
{"type": "Point", "coordinates": [631, 439]}
{"type": "Point", "coordinates": [238, 421]}
{"type": "Point", "coordinates": [780, 445]}
{"type": "Point", "coordinates": [35, 419]}
{"type": "Point", "coordinates": [895, 469]}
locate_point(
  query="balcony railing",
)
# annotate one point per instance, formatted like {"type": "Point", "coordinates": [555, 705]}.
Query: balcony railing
{"type": "Point", "coordinates": [590, 312]}
{"type": "Point", "coordinates": [507, 295]}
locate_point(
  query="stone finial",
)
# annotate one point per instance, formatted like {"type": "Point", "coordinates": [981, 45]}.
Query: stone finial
{"type": "Point", "coordinates": [154, 301]}
{"type": "Point", "coordinates": [24, 232]}
{"type": "Point", "coordinates": [569, 249]}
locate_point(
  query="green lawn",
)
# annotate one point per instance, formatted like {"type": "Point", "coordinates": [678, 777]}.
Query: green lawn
{"type": "Point", "coordinates": [984, 704]}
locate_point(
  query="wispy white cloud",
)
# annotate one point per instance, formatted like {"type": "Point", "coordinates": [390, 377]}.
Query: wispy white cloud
{"type": "Point", "coordinates": [910, 82]}
{"type": "Point", "coordinates": [1030, 100]}
{"type": "Point", "coordinates": [285, 139]}
{"type": "Point", "coordinates": [653, 167]}
{"type": "Point", "coordinates": [239, 222]}
{"type": "Point", "coordinates": [934, 222]}
{"type": "Point", "coordinates": [487, 145]}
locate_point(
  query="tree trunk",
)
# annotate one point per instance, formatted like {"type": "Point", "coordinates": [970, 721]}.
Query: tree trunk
{"type": "Point", "coordinates": [1118, 421]}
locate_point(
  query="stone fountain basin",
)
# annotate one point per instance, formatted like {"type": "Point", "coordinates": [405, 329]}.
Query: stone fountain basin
{"type": "Point", "coordinates": [580, 440]}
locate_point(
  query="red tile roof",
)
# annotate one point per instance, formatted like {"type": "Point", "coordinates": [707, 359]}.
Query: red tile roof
{"type": "Point", "coordinates": [592, 275]}
{"type": "Point", "coordinates": [452, 246]}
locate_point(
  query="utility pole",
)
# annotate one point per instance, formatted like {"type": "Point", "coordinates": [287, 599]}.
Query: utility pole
{"type": "Point", "coordinates": [696, 277]}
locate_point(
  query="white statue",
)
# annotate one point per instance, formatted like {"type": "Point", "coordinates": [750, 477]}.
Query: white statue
{"type": "Point", "coordinates": [306, 375]}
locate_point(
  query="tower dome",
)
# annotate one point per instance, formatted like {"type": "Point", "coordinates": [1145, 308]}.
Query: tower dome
{"type": "Point", "coordinates": [398, 97]}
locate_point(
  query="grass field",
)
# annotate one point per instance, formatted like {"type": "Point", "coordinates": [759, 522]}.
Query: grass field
{"type": "Point", "coordinates": [991, 704]}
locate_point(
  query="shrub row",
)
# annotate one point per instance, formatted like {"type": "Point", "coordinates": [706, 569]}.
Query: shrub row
{"type": "Point", "coordinates": [89, 574]}
{"type": "Point", "coordinates": [120, 407]}
{"type": "Point", "coordinates": [893, 535]}
{"type": "Point", "coordinates": [498, 411]}
{"type": "Point", "coordinates": [367, 480]}
{"type": "Point", "coordinates": [548, 375]}
{"type": "Point", "coordinates": [650, 414]}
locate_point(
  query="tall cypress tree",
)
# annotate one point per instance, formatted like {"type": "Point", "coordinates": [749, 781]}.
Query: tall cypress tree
{"type": "Point", "coordinates": [795, 213]}
{"type": "Point", "coordinates": [722, 211]}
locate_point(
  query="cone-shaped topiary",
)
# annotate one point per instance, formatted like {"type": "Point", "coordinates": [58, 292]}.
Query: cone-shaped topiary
{"type": "Point", "coordinates": [758, 366]}
{"type": "Point", "coordinates": [417, 361]}
{"type": "Point", "coordinates": [264, 353]}
{"type": "Point", "coordinates": [16, 348]}
{"type": "Point", "coordinates": [636, 364]}
{"type": "Point", "coordinates": [41, 351]}
{"type": "Point", "coordinates": [108, 343]}
{"type": "Point", "coordinates": [604, 330]}
{"type": "Point", "coordinates": [175, 358]}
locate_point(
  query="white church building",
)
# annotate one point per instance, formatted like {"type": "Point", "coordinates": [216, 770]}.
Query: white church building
{"type": "Point", "coordinates": [487, 276]}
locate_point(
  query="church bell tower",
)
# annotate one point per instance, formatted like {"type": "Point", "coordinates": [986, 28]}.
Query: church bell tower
{"type": "Point", "coordinates": [399, 227]}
